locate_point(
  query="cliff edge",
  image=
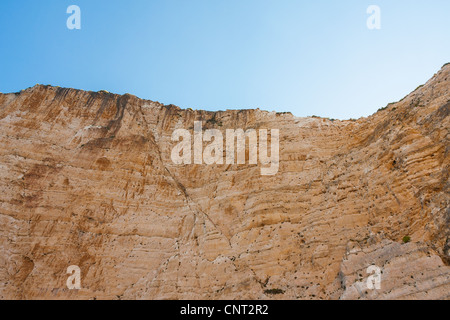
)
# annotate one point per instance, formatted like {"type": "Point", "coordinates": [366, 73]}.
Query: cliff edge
{"type": "Point", "coordinates": [87, 179]}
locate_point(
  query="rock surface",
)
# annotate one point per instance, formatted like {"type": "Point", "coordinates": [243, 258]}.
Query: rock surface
{"type": "Point", "coordinates": [87, 179]}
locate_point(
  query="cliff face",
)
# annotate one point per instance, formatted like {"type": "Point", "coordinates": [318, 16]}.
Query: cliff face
{"type": "Point", "coordinates": [87, 179]}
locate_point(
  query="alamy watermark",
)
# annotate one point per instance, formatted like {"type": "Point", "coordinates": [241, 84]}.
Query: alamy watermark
{"type": "Point", "coordinates": [374, 280]}
{"type": "Point", "coordinates": [374, 21]}
{"type": "Point", "coordinates": [214, 151]}
{"type": "Point", "coordinates": [74, 281]}
{"type": "Point", "coordinates": [74, 21]}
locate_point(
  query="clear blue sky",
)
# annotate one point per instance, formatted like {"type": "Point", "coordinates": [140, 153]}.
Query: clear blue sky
{"type": "Point", "coordinates": [306, 57]}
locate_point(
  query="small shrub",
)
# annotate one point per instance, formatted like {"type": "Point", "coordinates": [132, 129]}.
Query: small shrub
{"type": "Point", "coordinates": [214, 122]}
{"type": "Point", "coordinates": [273, 291]}
{"type": "Point", "coordinates": [388, 105]}
{"type": "Point", "coordinates": [406, 239]}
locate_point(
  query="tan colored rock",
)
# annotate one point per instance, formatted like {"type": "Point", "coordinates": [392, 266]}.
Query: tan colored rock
{"type": "Point", "coordinates": [407, 271]}
{"type": "Point", "coordinates": [87, 179]}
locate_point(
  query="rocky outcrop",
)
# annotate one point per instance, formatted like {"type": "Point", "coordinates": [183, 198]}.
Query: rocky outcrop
{"type": "Point", "coordinates": [407, 271]}
{"type": "Point", "coordinates": [87, 179]}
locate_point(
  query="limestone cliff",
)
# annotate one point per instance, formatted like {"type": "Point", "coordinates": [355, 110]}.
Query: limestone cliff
{"type": "Point", "coordinates": [86, 179]}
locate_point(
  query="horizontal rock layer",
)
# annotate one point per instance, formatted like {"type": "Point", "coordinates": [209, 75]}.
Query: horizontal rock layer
{"type": "Point", "coordinates": [87, 179]}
